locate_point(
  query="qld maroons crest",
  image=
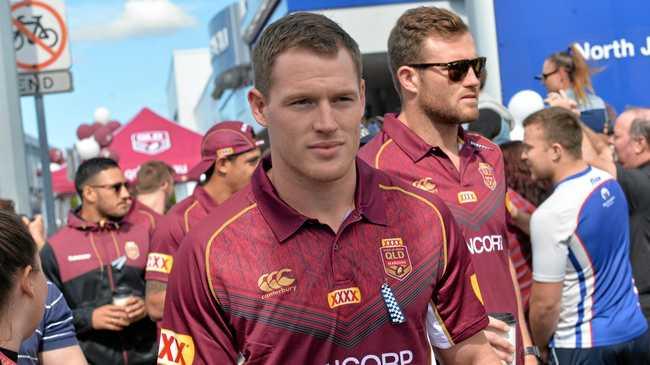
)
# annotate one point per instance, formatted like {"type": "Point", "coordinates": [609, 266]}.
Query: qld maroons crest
{"type": "Point", "coordinates": [395, 256]}
{"type": "Point", "coordinates": [487, 171]}
{"type": "Point", "coordinates": [151, 142]}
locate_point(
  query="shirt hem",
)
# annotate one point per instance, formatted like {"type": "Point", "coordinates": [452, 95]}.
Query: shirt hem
{"type": "Point", "coordinates": [471, 330]}
{"type": "Point", "coordinates": [614, 341]}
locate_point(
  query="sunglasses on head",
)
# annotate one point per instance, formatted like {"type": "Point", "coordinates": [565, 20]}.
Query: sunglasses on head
{"type": "Point", "coordinates": [117, 187]}
{"type": "Point", "coordinates": [457, 70]}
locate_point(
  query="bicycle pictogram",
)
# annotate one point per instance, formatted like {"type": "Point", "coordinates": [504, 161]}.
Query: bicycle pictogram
{"type": "Point", "coordinates": [48, 36]}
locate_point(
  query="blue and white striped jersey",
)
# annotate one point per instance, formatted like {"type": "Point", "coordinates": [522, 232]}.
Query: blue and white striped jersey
{"type": "Point", "coordinates": [580, 236]}
{"type": "Point", "coordinates": [55, 330]}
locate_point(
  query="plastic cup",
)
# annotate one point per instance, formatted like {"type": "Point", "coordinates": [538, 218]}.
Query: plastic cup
{"type": "Point", "coordinates": [511, 335]}
{"type": "Point", "coordinates": [122, 295]}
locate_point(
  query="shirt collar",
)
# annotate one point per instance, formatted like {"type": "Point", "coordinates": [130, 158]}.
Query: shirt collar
{"type": "Point", "coordinates": [416, 148]}
{"type": "Point", "coordinates": [201, 195]}
{"type": "Point", "coordinates": [284, 221]}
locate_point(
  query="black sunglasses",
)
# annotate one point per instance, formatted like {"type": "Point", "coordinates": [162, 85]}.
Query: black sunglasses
{"type": "Point", "coordinates": [457, 70]}
{"type": "Point", "coordinates": [545, 76]}
{"type": "Point", "coordinates": [117, 187]}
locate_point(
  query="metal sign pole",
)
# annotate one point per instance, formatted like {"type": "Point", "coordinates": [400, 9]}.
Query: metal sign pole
{"type": "Point", "coordinates": [48, 197]}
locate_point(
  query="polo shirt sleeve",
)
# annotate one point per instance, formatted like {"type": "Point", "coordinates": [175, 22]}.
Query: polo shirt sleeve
{"type": "Point", "coordinates": [59, 329]}
{"type": "Point", "coordinates": [455, 312]}
{"type": "Point", "coordinates": [164, 245]}
{"type": "Point", "coordinates": [548, 236]}
{"type": "Point", "coordinates": [193, 329]}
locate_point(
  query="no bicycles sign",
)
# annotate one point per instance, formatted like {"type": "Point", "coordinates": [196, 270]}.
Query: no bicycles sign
{"type": "Point", "coordinates": [40, 35]}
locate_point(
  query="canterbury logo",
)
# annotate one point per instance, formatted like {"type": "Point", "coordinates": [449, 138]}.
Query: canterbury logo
{"type": "Point", "coordinates": [425, 184]}
{"type": "Point", "coordinates": [341, 297]}
{"type": "Point", "coordinates": [275, 280]}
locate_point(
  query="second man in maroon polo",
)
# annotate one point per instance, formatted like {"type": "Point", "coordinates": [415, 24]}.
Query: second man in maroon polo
{"type": "Point", "coordinates": [229, 154]}
{"type": "Point", "coordinates": [436, 70]}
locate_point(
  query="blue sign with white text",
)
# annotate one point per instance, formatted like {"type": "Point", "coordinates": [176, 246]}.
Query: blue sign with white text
{"type": "Point", "coordinates": [613, 35]}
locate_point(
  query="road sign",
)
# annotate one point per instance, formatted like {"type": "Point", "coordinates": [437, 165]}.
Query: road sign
{"type": "Point", "coordinates": [40, 35]}
{"type": "Point", "coordinates": [45, 83]}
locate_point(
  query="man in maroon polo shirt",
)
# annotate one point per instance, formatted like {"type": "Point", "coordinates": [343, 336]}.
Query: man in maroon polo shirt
{"type": "Point", "coordinates": [436, 70]}
{"type": "Point", "coordinates": [229, 154]}
{"type": "Point", "coordinates": [321, 259]}
{"type": "Point", "coordinates": [98, 256]}
{"type": "Point", "coordinates": [154, 188]}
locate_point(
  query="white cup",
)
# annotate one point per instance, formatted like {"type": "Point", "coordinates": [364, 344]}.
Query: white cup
{"type": "Point", "coordinates": [511, 335]}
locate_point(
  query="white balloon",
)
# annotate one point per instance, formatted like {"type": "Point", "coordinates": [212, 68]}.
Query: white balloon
{"type": "Point", "coordinates": [102, 115]}
{"type": "Point", "coordinates": [87, 148]}
{"type": "Point", "coordinates": [521, 105]}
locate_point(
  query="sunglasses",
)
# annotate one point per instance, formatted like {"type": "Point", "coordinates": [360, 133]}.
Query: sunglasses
{"type": "Point", "coordinates": [117, 187]}
{"type": "Point", "coordinates": [457, 70]}
{"type": "Point", "coordinates": [545, 76]}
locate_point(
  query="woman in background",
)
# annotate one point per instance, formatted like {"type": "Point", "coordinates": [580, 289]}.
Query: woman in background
{"type": "Point", "coordinates": [566, 75]}
{"type": "Point", "coordinates": [22, 286]}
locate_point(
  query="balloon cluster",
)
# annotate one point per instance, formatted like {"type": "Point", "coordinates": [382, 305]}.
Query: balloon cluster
{"type": "Point", "coordinates": [95, 139]}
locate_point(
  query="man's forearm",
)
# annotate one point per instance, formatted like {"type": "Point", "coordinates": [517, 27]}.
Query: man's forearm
{"type": "Point", "coordinates": [155, 299]}
{"type": "Point", "coordinates": [543, 321]}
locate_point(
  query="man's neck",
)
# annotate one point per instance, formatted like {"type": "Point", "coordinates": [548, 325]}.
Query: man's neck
{"type": "Point", "coordinates": [91, 215]}
{"type": "Point", "coordinates": [642, 160]}
{"type": "Point", "coordinates": [567, 169]}
{"type": "Point", "coordinates": [217, 190]}
{"type": "Point", "coordinates": [154, 200]}
{"type": "Point", "coordinates": [328, 202]}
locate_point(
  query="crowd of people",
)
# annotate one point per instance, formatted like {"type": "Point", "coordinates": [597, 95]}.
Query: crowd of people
{"type": "Point", "coordinates": [438, 241]}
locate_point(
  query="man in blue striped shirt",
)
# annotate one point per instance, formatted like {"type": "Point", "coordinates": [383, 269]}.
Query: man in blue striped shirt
{"type": "Point", "coordinates": [54, 342]}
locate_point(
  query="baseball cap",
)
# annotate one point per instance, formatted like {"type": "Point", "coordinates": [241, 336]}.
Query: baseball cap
{"type": "Point", "coordinates": [222, 140]}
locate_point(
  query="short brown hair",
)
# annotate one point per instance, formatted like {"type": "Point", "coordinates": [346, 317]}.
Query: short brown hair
{"type": "Point", "coordinates": [152, 175]}
{"type": "Point", "coordinates": [313, 32]}
{"type": "Point", "coordinates": [412, 28]}
{"type": "Point", "coordinates": [560, 126]}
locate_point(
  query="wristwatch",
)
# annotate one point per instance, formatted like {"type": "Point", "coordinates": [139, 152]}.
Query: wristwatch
{"type": "Point", "coordinates": [533, 350]}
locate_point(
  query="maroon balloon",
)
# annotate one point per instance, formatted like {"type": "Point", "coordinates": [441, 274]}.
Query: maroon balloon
{"type": "Point", "coordinates": [84, 131]}
{"type": "Point", "coordinates": [103, 136]}
{"type": "Point", "coordinates": [113, 125]}
{"type": "Point", "coordinates": [56, 155]}
{"type": "Point", "coordinates": [109, 153]}
{"type": "Point", "coordinates": [95, 126]}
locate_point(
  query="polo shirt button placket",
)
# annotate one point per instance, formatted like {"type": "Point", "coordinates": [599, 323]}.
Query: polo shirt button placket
{"type": "Point", "coordinates": [337, 247]}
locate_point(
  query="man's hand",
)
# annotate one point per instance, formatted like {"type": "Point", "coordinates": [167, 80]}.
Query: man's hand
{"type": "Point", "coordinates": [560, 99]}
{"type": "Point", "coordinates": [135, 309]}
{"type": "Point", "coordinates": [36, 229]}
{"type": "Point", "coordinates": [109, 317]}
{"type": "Point", "coordinates": [496, 334]}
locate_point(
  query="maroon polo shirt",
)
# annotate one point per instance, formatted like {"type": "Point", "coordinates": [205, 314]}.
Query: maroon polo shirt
{"type": "Point", "coordinates": [258, 279]}
{"type": "Point", "coordinates": [475, 194]}
{"type": "Point", "coordinates": [172, 229]}
{"type": "Point", "coordinates": [141, 215]}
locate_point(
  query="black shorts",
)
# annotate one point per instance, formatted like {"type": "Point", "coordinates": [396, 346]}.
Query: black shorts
{"type": "Point", "coordinates": [636, 352]}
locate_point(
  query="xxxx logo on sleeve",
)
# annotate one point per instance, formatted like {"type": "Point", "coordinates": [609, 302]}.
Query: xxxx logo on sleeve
{"type": "Point", "coordinates": [341, 297]}
{"type": "Point", "coordinates": [276, 283]}
{"type": "Point", "coordinates": [395, 256]}
{"type": "Point", "coordinates": [159, 262]}
{"type": "Point", "coordinates": [175, 348]}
